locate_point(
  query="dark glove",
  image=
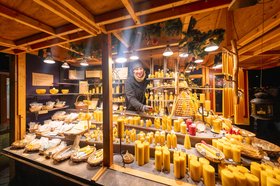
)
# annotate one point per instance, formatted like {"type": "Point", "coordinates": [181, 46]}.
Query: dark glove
{"type": "Point", "coordinates": [147, 108]}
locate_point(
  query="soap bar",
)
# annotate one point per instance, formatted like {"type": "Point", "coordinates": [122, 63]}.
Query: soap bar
{"type": "Point", "coordinates": [208, 175]}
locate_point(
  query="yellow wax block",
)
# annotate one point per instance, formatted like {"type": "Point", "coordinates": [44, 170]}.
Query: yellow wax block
{"type": "Point", "coordinates": [177, 167]}
{"type": "Point", "coordinates": [263, 178]}
{"type": "Point", "coordinates": [141, 123]}
{"type": "Point", "coordinates": [195, 170]}
{"type": "Point", "coordinates": [227, 178]}
{"type": "Point", "coordinates": [158, 160]}
{"type": "Point", "coordinates": [240, 179]}
{"type": "Point", "coordinates": [208, 175]}
{"type": "Point", "coordinates": [214, 142]}
{"type": "Point", "coordinates": [252, 180]}
{"type": "Point", "coordinates": [174, 141]}
{"type": "Point", "coordinates": [202, 98]}
{"type": "Point", "coordinates": [166, 160]}
{"type": "Point", "coordinates": [207, 105]}
{"type": "Point", "coordinates": [146, 152]}
{"type": "Point", "coordinates": [190, 157]}
{"type": "Point", "coordinates": [272, 182]}
{"type": "Point", "coordinates": [183, 166]}
{"type": "Point", "coordinates": [256, 170]}
{"type": "Point", "coordinates": [202, 162]}
{"type": "Point", "coordinates": [120, 127]}
{"type": "Point", "coordinates": [140, 154]}
{"type": "Point", "coordinates": [227, 152]}
{"type": "Point", "coordinates": [169, 141]}
{"type": "Point", "coordinates": [183, 128]}
{"type": "Point", "coordinates": [135, 149]}
{"type": "Point", "coordinates": [187, 142]}
{"type": "Point", "coordinates": [176, 126]}
{"type": "Point", "coordinates": [236, 154]}
{"type": "Point", "coordinates": [157, 138]}
{"type": "Point", "coordinates": [242, 169]}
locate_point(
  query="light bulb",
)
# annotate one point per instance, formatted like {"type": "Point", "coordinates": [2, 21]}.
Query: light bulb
{"type": "Point", "coordinates": [65, 65]}
{"type": "Point", "coordinates": [167, 52]}
{"type": "Point", "coordinates": [211, 47]}
{"type": "Point", "coordinates": [121, 59]}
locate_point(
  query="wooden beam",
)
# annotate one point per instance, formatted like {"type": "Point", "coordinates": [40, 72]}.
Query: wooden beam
{"type": "Point", "coordinates": [7, 42]}
{"type": "Point", "coordinates": [128, 4]}
{"type": "Point", "coordinates": [67, 14]}
{"type": "Point", "coordinates": [67, 47]}
{"type": "Point", "coordinates": [25, 20]}
{"type": "Point", "coordinates": [268, 24]}
{"type": "Point", "coordinates": [266, 47]}
{"type": "Point", "coordinates": [261, 65]}
{"type": "Point", "coordinates": [121, 39]}
{"type": "Point", "coordinates": [268, 53]}
{"type": "Point", "coordinates": [172, 13]}
{"type": "Point", "coordinates": [273, 34]}
{"type": "Point", "coordinates": [107, 100]}
{"type": "Point", "coordinates": [185, 21]}
{"type": "Point", "coordinates": [79, 10]}
{"type": "Point", "coordinates": [143, 8]}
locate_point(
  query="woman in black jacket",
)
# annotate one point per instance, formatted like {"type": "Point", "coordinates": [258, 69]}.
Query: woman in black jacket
{"type": "Point", "coordinates": [135, 87]}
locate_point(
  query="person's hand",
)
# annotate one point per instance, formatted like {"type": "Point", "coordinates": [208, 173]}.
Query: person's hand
{"type": "Point", "coordinates": [147, 108]}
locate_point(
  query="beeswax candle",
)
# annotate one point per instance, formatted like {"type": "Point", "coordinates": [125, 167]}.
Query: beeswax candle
{"type": "Point", "coordinates": [157, 138]}
{"type": "Point", "coordinates": [190, 157]}
{"type": "Point", "coordinates": [183, 164]}
{"type": "Point", "coordinates": [183, 128]}
{"type": "Point", "coordinates": [202, 98]}
{"type": "Point", "coordinates": [135, 149]}
{"type": "Point", "coordinates": [177, 172]}
{"type": "Point", "coordinates": [227, 178]}
{"type": "Point", "coordinates": [263, 178]}
{"type": "Point", "coordinates": [187, 142]}
{"type": "Point", "coordinates": [169, 124]}
{"type": "Point", "coordinates": [240, 179]}
{"type": "Point", "coordinates": [236, 154]}
{"type": "Point", "coordinates": [176, 126]}
{"type": "Point", "coordinates": [162, 138]}
{"type": "Point", "coordinates": [208, 175]}
{"type": "Point", "coordinates": [272, 182]}
{"type": "Point", "coordinates": [169, 141]}
{"type": "Point", "coordinates": [158, 160]}
{"type": "Point", "coordinates": [173, 140]}
{"type": "Point", "coordinates": [227, 152]}
{"type": "Point", "coordinates": [195, 170]}
{"type": "Point", "coordinates": [146, 152]}
{"type": "Point", "coordinates": [252, 180]}
{"type": "Point", "coordinates": [255, 170]}
{"type": "Point", "coordinates": [166, 160]}
{"type": "Point", "coordinates": [120, 127]}
{"type": "Point", "coordinates": [214, 142]}
{"type": "Point", "coordinates": [207, 105]}
{"type": "Point", "coordinates": [242, 169]}
{"type": "Point", "coordinates": [202, 162]}
{"type": "Point", "coordinates": [140, 154]}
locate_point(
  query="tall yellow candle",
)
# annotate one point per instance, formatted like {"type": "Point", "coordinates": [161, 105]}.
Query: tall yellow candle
{"type": "Point", "coordinates": [242, 169]}
{"type": "Point", "coordinates": [214, 142]}
{"type": "Point", "coordinates": [158, 160]}
{"type": "Point", "coordinates": [190, 157]}
{"type": "Point", "coordinates": [135, 149]}
{"type": "Point", "coordinates": [183, 128]}
{"type": "Point", "coordinates": [176, 163]}
{"type": "Point", "coordinates": [272, 182]}
{"type": "Point", "coordinates": [227, 178]}
{"type": "Point", "coordinates": [195, 170]}
{"type": "Point", "coordinates": [166, 160]}
{"type": "Point", "coordinates": [220, 168]}
{"type": "Point", "coordinates": [169, 141]}
{"type": "Point", "coordinates": [183, 165]}
{"type": "Point", "coordinates": [227, 152]}
{"type": "Point", "coordinates": [164, 123]}
{"type": "Point", "coordinates": [270, 173]}
{"type": "Point", "coordinates": [157, 138]}
{"type": "Point", "coordinates": [236, 154]}
{"type": "Point", "coordinates": [146, 152]}
{"type": "Point", "coordinates": [255, 170]}
{"type": "Point", "coordinates": [162, 138]}
{"type": "Point", "coordinates": [207, 105]}
{"type": "Point", "coordinates": [140, 154]}
{"type": "Point", "coordinates": [148, 123]}
{"type": "Point", "coordinates": [263, 178]}
{"type": "Point", "coordinates": [278, 177]}
{"type": "Point", "coordinates": [141, 123]}
{"type": "Point", "coordinates": [169, 124]}
{"type": "Point", "coordinates": [220, 145]}
{"type": "Point", "coordinates": [174, 140]}
{"type": "Point", "coordinates": [202, 162]}
{"type": "Point", "coordinates": [208, 175]}
{"type": "Point", "coordinates": [176, 126]}
{"type": "Point", "coordinates": [120, 127]}
{"type": "Point", "coordinates": [252, 180]}
{"type": "Point", "coordinates": [240, 179]}
{"type": "Point", "coordinates": [187, 142]}
{"type": "Point", "coordinates": [202, 98]}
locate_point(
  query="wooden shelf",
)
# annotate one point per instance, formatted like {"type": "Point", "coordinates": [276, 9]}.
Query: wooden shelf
{"type": "Point", "coordinates": [47, 111]}
{"type": "Point", "coordinates": [118, 101]}
{"type": "Point", "coordinates": [164, 78]}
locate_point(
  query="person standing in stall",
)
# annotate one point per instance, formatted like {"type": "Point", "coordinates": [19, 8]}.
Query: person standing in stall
{"type": "Point", "coordinates": [135, 88]}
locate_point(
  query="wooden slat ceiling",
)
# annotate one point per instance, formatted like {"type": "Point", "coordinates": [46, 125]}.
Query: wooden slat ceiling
{"type": "Point", "coordinates": [31, 25]}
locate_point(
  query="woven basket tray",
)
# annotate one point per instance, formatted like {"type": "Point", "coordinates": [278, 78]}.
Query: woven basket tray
{"type": "Point", "coordinates": [216, 157]}
{"type": "Point", "coordinates": [271, 149]}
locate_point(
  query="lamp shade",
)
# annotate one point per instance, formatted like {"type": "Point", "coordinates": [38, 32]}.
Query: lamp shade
{"type": "Point", "coordinates": [167, 52]}
{"type": "Point", "coordinates": [84, 63]}
{"type": "Point", "coordinates": [134, 56]}
{"type": "Point", "coordinates": [198, 60]}
{"type": "Point", "coordinates": [121, 59]}
{"type": "Point", "coordinates": [65, 65]}
{"type": "Point", "coordinates": [211, 47]}
{"type": "Point", "coordinates": [49, 59]}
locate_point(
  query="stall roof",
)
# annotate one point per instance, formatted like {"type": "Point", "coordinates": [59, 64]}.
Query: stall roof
{"type": "Point", "coordinates": [31, 25]}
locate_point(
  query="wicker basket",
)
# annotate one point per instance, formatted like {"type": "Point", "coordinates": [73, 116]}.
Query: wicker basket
{"type": "Point", "coordinates": [80, 104]}
{"type": "Point", "coordinates": [210, 156]}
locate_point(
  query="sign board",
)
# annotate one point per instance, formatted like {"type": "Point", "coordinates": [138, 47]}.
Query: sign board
{"type": "Point", "coordinates": [94, 74]}
{"type": "Point", "coordinates": [83, 87]}
{"type": "Point", "coordinates": [40, 79]}
{"type": "Point", "coordinates": [76, 74]}
{"type": "Point", "coordinates": [120, 73]}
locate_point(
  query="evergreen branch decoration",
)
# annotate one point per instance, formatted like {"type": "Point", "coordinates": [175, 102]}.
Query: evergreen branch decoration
{"type": "Point", "coordinates": [195, 40]}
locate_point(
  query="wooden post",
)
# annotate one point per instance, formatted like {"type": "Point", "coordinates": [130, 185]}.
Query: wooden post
{"type": "Point", "coordinates": [164, 65]}
{"type": "Point", "coordinates": [3, 99]}
{"type": "Point", "coordinates": [18, 97]}
{"type": "Point", "coordinates": [152, 66]}
{"type": "Point", "coordinates": [107, 100]}
{"type": "Point", "coordinates": [235, 71]}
